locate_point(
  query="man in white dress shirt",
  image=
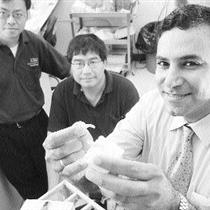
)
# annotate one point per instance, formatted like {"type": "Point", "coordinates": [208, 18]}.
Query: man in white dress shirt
{"type": "Point", "coordinates": [151, 134]}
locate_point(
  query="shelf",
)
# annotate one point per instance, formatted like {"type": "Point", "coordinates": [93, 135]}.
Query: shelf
{"type": "Point", "coordinates": [102, 15]}
{"type": "Point", "coordinates": [115, 41]}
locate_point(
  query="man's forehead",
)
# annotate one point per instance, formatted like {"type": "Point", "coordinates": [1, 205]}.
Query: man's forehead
{"type": "Point", "coordinates": [18, 4]}
{"type": "Point", "coordinates": [193, 31]}
{"type": "Point", "coordinates": [177, 42]}
{"type": "Point", "coordinates": [6, 1]}
{"type": "Point", "coordinates": [88, 55]}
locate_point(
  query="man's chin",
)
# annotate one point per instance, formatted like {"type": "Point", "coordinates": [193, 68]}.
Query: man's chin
{"type": "Point", "coordinates": [175, 112]}
{"type": "Point", "coordinates": [87, 85]}
{"type": "Point", "coordinates": [11, 35]}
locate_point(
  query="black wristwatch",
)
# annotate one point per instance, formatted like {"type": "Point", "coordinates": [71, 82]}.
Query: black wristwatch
{"type": "Point", "coordinates": [183, 205]}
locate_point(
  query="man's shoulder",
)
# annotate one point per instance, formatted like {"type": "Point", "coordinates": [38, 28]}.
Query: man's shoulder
{"type": "Point", "coordinates": [153, 95]}
{"type": "Point", "coordinates": [151, 108]}
{"type": "Point", "coordinates": [121, 81]}
{"type": "Point", "coordinates": [30, 34]}
{"type": "Point", "coordinates": [117, 76]}
{"type": "Point", "coordinates": [32, 37]}
{"type": "Point", "coordinates": [152, 101]}
{"type": "Point", "coordinates": [67, 83]}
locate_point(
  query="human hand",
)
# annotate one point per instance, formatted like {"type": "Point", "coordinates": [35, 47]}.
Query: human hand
{"type": "Point", "coordinates": [66, 146]}
{"type": "Point", "coordinates": [135, 185]}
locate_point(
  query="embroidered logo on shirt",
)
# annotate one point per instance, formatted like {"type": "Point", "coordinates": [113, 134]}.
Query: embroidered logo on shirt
{"type": "Point", "coordinates": [33, 62]}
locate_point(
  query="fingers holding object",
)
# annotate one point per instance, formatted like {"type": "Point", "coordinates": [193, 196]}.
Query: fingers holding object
{"type": "Point", "coordinates": [119, 184]}
{"type": "Point", "coordinates": [74, 168]}
{"type": "Point", "coordinates": [58, 138]}
{"type": "Point", "coordinates": [60, 164]}
{"type": "Point", "coordinates": [132, 169]}
{"type": "Point", "coordinates": [63, 151]}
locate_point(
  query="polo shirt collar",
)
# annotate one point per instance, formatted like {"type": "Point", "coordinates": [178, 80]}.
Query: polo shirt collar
{"type": "Point", "coordinates": [201, 127]}
{"type": "Point", "coordinates": [109, 82]}
{"type": "Point", "coordinates": [108, 87]}
{"type": "Point", "coordinates": [76, 88]}
{"type": "Point", "coordinates": [23, 37]}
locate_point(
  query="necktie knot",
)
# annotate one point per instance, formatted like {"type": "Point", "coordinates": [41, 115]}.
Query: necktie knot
{"type": "Point", "coordinates": [187, 131]}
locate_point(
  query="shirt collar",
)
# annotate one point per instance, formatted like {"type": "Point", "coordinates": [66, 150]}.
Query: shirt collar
{"type": "Point", "coordinates": [77, 88]}
{"type": "Point", "coordinates": [23, 37]}
{"type": "Point", "coordinates": [177, 122]}
{"type": "Point", "coordinates": [201, 127]}
{"type": "Point", "coordinates": [109, 82]}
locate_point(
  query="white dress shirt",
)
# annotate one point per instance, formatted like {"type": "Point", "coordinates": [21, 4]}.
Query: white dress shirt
{"type": "Point", "coordinates": [150, 134]}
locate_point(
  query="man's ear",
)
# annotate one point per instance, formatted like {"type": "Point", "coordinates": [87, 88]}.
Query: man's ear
{"type": "Point", "coordinates": [28, 14]}
{"type": "Point", "coordinates": [105, 62]}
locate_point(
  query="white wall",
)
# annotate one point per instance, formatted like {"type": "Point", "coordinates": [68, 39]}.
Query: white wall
{"type": "Point", "coordinates": [202, 2]}
{"type": "Point", "coordinates": [152, 10]}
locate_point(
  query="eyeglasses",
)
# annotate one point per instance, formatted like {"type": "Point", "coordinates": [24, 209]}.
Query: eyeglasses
{"type": "Point", "coordinates": [81, 64]}
{"type": "Point", "coordinates": [16, 15]}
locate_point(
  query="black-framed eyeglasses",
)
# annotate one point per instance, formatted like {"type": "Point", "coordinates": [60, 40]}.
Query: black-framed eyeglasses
{"type": "Point", "coordinates": [81, 64]}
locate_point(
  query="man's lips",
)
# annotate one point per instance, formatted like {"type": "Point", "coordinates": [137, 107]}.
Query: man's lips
{"type": "Point", "coordinates": [12, 29]}
{"type": "Point", "coordinates": [177, 96]}
{"type": "Point", "coordinates": [87, 78]}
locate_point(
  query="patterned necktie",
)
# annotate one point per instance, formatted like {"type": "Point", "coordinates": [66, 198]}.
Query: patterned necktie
{"type": "Point", "coordinates": [181, 168]}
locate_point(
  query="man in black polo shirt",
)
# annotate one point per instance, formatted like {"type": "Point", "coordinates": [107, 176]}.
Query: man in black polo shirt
{"type": "Point", "coordinates": [92, 95]}
{"type": "Point", "coordinates": [23, 122]}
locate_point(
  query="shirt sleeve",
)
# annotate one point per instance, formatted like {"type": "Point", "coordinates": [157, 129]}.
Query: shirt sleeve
{"type": "Point", "coordinates": [53, 62]}
{"type": "Point", "coordinates": [58, 114]}
{"type": "Point", "coordinates": [129, 133]}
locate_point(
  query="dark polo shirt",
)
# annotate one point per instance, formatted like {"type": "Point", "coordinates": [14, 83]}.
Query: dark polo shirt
{"type": "Point", "coordinates": [21, 96]}
{"type": "Point", "coordinates": [69, 105]}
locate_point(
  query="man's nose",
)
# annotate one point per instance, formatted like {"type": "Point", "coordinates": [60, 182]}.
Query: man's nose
{"type": "Point", "coordinates": [86, 68]}
{"type": "Point", "coordinates": [11, 19]}
{"type": "Point", "coordinates": [174, 78]}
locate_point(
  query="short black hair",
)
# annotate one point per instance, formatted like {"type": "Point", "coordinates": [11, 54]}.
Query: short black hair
{"type": "Point", "coordinates": [27, 3]}
{"type": "Point", "coordinates": [86, 43]}
{"type": "Point", "coordinates": [186, 17]}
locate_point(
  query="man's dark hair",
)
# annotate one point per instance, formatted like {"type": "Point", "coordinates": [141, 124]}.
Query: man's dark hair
{"type": "Point", "coordinates": [81, 44]}
{"type": "Point", "coordinates": [27, 3]}
{"type": "Point", "coordinates": [186, 17]}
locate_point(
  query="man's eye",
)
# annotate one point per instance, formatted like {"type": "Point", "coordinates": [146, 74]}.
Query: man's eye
{"type": "Point", "coordinates": [92, 62]}
{"type": "Point", "coordinates": [18, 15]}
{"type": "Point", "coordinates": [78, 63]}
{"type": "Point", "coordinates": [191, 64]}
{"type": "Point", "coordinates": [162, 64]}
{"type": "Point", "coordinates": [2, 12]}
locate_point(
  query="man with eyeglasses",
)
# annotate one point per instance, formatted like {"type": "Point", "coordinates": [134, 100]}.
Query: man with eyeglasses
{"type": "Point", "coordinates": [92, 94]}
{"type": "Point", "coordinates": [23, 122]}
